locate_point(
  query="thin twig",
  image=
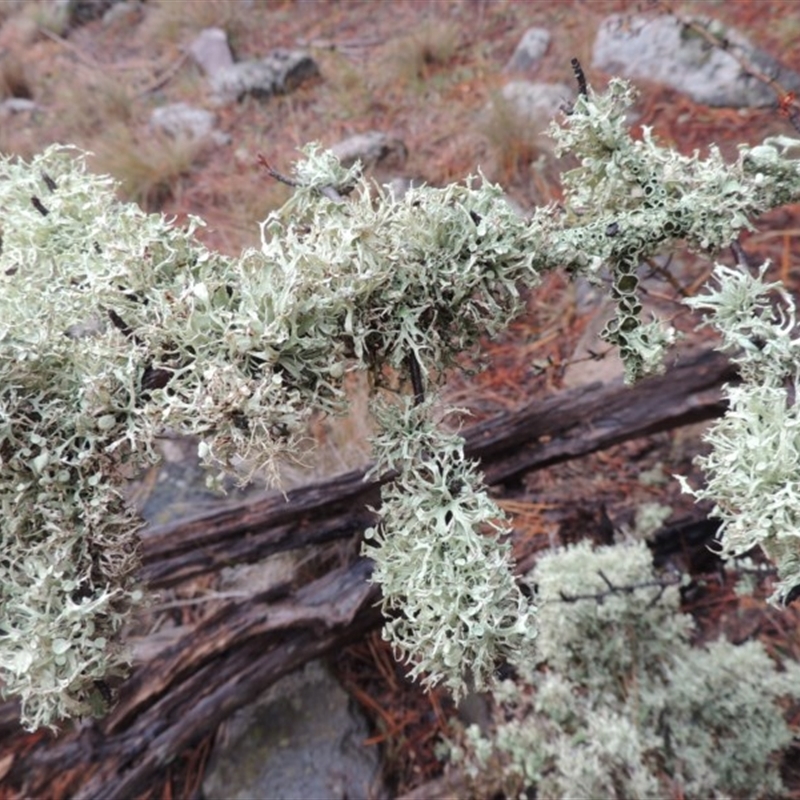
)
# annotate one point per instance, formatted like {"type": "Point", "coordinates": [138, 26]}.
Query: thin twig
{"type": "Point", "coordinates": [273, 173]}
{"type": "Point", "coordinates": [663, 272]}
{"type": "Point", "coordinates": [742, 259]}
{"type": "Point", "coordinates": [661, 584]}
{"type": "Point", "coordinates": [167, 76]}
{"type": "Point", "coordinates": [331, 192]}
{"type": "Point", "coordinates": [580, 76]}
{"type": "Point", "coordinates": [417, 382]}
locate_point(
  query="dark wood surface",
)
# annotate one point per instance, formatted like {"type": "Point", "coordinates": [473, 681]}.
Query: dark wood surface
{"type": "Point", "coordinates": [544, 432]}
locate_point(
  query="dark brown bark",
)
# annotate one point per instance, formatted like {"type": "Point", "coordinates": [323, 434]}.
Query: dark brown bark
{"type": "Point", "coordinates": [545, 432]}
{"type": "Point", "coordinates": [174, 700]}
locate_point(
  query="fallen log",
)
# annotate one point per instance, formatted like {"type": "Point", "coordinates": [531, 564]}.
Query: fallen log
{"type": "Point", "coordinates": [173, 701]}
{"type": "Point", "coordinates": [176, 699]}
{"type": "Point", "coordinates": [544, 432]}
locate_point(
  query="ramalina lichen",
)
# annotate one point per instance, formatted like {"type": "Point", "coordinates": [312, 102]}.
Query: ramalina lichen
{"type": "Point", "coordinates": [72, 426]}
{"type": "Point", "coordinates": [115, 325]}
{"type": "Point", "coordinates": [631, 198]}
{"type": "Point", "coordinates": [453, 606]}
{"type": "Point", "coordinates": [753, 468]}
{"type": "Point", "coordinates": [621, 704]}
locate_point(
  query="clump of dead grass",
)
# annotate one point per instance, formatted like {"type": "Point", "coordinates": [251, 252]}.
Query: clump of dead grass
{"type": "Point", "coordinates": [86, 108]}
{"type": "Point", "coordinates": [518, 148]}
{"type": "Point", "coordinates": [410, 60]}
{"type": "Point", "coordinates": [169, 21]}
{"type": "Point", "coordinates": [149, 166]}
{"type": "Point", "coordinates": [15, 80]}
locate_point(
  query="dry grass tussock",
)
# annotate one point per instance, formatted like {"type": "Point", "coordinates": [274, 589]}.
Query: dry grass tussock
{"type": "Point", "coordinates": [149, 167]}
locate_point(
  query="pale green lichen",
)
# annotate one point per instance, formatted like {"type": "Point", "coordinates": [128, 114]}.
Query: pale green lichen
{"type": "Point", "coordinates": [71, 429]}
{"type": "Point", "coordinates": [621, 704]}
{"type": "Point", "coordinates": [631, 198]}
{"type": "Point", "coordinates": [116, 325]}
{"type": "Point", "coordinates": [753, 468]}
{"type": "Point", "coordinates": [454, 608]}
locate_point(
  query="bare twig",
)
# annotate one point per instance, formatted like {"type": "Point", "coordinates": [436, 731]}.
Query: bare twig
{"type": "Point", "coordinates": [658, 583]}
{"type": "Point", "coordinates": [583, 87]}
{"type": "Point", "coordinates": [742, 259]}
{"type": "Point", "coordinates": [417, 382]}
{"type": "Point", "coordinates": [273, 173]}
{"type": "Point", "coordinates": [165, 77]}
{"type": "Point", "coordinates": [331, 192]}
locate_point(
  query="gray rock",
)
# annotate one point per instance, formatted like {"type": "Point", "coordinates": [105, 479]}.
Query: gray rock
{"type": "Point", "coordinates": [659, 49]}
{"type": "Point", "coordinates": [280, 72]}
{"type": "Point", "coordinates": [530, 50]}
{"type": "Point", "coordinates": [371, 148]}
{"type": "Point", "coordinates": [301, 740]}
{"type": "Point", "coordinates": [181, 120]}
{"type": "Point", "coordinates": [16, 105]}
{"type": "Point", "coordinates": [538, 102]}
{"type": "Point", "coordinates": [211, 51]}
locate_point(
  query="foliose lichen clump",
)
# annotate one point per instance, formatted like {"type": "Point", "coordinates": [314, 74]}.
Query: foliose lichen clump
{"type": "Point", "coordinates": [753, 467]}
{"type": "Point", "coordinates": [620, 704]}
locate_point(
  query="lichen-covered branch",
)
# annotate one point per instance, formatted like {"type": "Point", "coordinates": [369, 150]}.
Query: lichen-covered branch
{"type": "Point", "coordinates": [116, 325]}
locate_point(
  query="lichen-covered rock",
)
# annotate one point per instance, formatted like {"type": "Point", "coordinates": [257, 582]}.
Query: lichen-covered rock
{"type": "Point", "coordinates": [278, 73]}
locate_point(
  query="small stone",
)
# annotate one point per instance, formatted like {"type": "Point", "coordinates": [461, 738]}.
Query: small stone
{"type": "Point", "coordinates": [211, 51]}
{"type": "Point", "coordinates": [530, 50]}
{"type": "Point", "coordinates": [278, 73]}
{"type": "Point", "coordinates": [371, 148]}
{"type": "Point", "coordinates": [182, 120]}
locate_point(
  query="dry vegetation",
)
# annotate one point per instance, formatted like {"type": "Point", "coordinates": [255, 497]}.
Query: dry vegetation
{"type": "Point", "coordinates": [430, 73]}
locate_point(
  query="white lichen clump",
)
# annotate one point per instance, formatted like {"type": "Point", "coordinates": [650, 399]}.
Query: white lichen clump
{"type": "Point", "coordinates": [753, 468]}
{"type": "Point", "coordinates": [454, 608]}
{"type": "Point", "coordinates": [620, 704]}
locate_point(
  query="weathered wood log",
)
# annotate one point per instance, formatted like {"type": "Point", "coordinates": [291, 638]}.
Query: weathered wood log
{"type": "Point", "coordinates": [544, 432]}
{"type": "Point", "coordinates": [193, 685]}
{"type": "Point", "coordinates": [171, 702]}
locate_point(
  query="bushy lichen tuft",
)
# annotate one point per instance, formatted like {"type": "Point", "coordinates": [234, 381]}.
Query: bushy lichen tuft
{"type": "Point", "coordinates": [454, 609]}
{"type": "Point", "coordinates": [116, 325]}
{"type": "Point", "coordinates": [631, 198]}
{"type": "Point", "coordinates": [753, 468]}
{"type": "Point", "coordinates": [72, 428]}
{"type": "Point", "coordinates": [622, 705]}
